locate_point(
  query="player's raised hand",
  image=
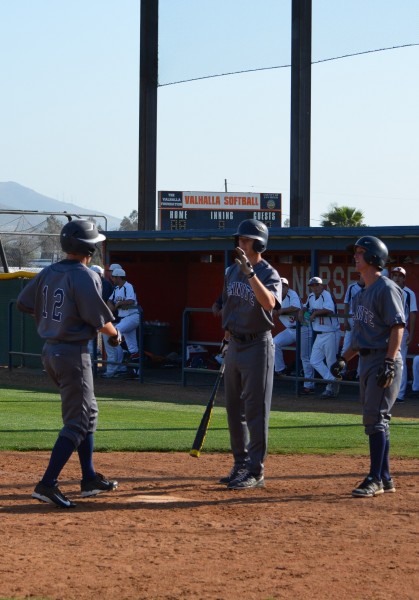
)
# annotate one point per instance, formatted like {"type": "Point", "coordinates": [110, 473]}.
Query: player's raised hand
{"type": "Point", "coordinates": [386, 373]}
{"type": "Point", "coordinates": [244, 263]}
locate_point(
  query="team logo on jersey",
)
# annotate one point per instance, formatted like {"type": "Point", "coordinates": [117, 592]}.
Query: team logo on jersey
{"type": "Point", "coordinates": [364, 315]}
{"type": "Point", "coordinates": [241, 290]}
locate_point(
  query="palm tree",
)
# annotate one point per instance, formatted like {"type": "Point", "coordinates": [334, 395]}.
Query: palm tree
{"type": "Point", "coordinates": [343, 216]}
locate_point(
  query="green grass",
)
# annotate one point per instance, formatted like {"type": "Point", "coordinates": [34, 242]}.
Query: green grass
{"type": "Point", "coordinates": [30, 420]}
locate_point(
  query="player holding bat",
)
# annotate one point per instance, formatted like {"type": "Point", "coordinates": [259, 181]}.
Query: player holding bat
{"type": "Point", "coordinates": [252, 289]}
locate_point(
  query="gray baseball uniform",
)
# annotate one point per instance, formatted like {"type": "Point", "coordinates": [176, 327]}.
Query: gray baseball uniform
{"type": "Point", "coordinates": [249, 364]}
{"type": "Point", "coordinates": [66, 300]}
{"type": "Point", "coordinates": [376, 309]}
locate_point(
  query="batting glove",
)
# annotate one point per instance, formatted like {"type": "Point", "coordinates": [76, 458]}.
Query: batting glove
{"type": "Point", "coordinates": [386, 373]}
{"type": "Point", "coordinates": [115, 340]}
{"type": "Point", "coordinates": [224, 348]}
{"type": "Point", "coordinates": [338, 366]}
{"type": "Point", "coordinates": [244, 264]}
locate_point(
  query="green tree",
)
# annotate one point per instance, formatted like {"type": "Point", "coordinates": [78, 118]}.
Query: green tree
{"type": "Point", "coordinates": [50, 245]}
{"type": "Point", "coordinates": [130, 223]}
{"type": "Point", "coordinates": [19, 250]}
{"type": "Point", "coordinates": [343, 216]}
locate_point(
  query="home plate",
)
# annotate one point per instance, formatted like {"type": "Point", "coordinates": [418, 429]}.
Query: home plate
{"type": "Point", "coordinates": [146, 498]}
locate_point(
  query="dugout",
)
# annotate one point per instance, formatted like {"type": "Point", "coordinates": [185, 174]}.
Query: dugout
{"type": "Point", "coordinates": [177, 270]}
{"type": "Point", "coordinates": [174, 270]}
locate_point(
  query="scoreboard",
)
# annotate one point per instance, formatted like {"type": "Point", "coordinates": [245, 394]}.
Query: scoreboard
{"type": "Point", "coordinates": [215, 210]}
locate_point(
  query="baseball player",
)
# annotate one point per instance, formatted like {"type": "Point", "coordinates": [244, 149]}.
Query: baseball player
{"type": "Point", "coordinates": [66, 302]}
{"type": "Point", "coordinates": [415, 383]}
{"type": "Point", "coordinates": [306, 344]}
{"type": "Point", "coordinates": [379, 322]}
{"type": "Point", "coordinates": [325, 325]}
{"type": "Point", "coordinates": [123, 300]}
{"type": "Point", "coordinates": [398, 274]}
{"type": "Point", "coordinates": [252, 289]}
{"type": "Point", "coordinates": [107, 288]}
{"type": "Point", "coordinates": [110, 270]}
{"type": "Point", "coordinates": [352, 290]}
{"type": "Point", "coordinates": [288, 313]}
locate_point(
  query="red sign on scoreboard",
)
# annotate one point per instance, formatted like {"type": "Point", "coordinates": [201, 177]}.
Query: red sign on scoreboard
{"type": "Point", "coordinates": [215, 210]}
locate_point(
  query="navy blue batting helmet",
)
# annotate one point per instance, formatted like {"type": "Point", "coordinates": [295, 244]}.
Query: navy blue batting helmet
{"type": "Point", "coordinates": [376, 252]}
{"type": "Point", "coordinates": [255, 230]}
{"type": "Point", "coordinates": [80, 237]}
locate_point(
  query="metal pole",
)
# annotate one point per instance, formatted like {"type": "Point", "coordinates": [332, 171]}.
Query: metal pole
{"type": "Point", "coordinates": [300, 114]}
{"type": "Point", "coordinates": [148, 115]}
{"type": "Point", "coordinates": [3, 258]}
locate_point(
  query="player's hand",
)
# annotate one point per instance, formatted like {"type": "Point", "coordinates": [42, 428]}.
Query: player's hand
{"type": "Point", "coordinates": [216, 309]}
{"type": "Point", "coordinates": [115, 340]}
{"type": "Point", "coordinates": [224, 347]}
{"type": "Point", "coordinates": [386, 373]}
{"type": "Point", "coordinates": [244, 263]}
{"type": "Point", "coordinates": [338, 366]}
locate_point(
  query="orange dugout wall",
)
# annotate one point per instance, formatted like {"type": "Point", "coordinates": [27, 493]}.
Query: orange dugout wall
{"type": "Point", "coordinates": [167, 283]}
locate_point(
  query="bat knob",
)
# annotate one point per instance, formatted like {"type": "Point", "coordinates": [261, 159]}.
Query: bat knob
{"type": "Point", "coordinates": [194, 453]}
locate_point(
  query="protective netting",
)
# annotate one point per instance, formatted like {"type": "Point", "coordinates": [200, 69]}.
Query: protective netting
{"type": "Point", "coordinates": [29, 242]}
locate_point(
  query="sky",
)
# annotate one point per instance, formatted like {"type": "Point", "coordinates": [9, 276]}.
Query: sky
{"type": "Point", "coordinates": [69, 102]}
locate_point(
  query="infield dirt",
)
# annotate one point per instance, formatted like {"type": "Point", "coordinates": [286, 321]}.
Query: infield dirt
{"type": "Point", "coordinates": [171, 532]}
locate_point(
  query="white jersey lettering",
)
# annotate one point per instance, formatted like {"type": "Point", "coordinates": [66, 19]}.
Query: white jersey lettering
{"type": "Point", "coordinates": [364, 315]}
{"type": "Point", "coordinates": [241, 290]}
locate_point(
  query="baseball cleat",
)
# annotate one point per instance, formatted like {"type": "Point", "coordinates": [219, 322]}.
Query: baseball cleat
{"type": "Point", "coordinates": [51, 495]}
{"type": "Point", "coordinates": [388, 485]}
{"type": "Point", "coordinates": [280, 374]}
{"type": "Point", "coordinates": [246, 480]}
{"type": "Point", "coordinates": [327, 394]}
{"type": "Point", "coordinates": [96, 486]}
{"type": "Point", "coordinates": [307, 391]}
{"type": "Point", "coordinates": [368, 488]}
{"type": "Point", "coordinates": [235, 471]}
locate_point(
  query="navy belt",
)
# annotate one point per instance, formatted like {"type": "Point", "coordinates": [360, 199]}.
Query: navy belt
{"type": "Point", "coordinates": [244, 337]}
{"type": "Point", "coordinates": [366, 351]}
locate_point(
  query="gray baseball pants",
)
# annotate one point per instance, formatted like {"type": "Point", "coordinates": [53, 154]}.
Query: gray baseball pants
{"type": "Point", "coordinates": [377, 402]}
{"type": "Point", "coordinates": [248, 382]}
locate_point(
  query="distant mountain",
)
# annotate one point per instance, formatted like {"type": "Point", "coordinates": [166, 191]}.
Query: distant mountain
{"type": "Point", "coordinates": [19, 198]}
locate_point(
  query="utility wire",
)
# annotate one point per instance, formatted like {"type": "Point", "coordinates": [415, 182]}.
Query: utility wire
{"type": "Point", "coordinates": [315, 62]}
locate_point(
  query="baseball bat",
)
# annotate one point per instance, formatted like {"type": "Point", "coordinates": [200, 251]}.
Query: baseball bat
{"type": "Point", "coordinates": [206, 417]}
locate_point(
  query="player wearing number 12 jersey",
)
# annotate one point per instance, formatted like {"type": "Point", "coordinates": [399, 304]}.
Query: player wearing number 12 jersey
{"type": "Point", "coordinates": [66, 302]}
